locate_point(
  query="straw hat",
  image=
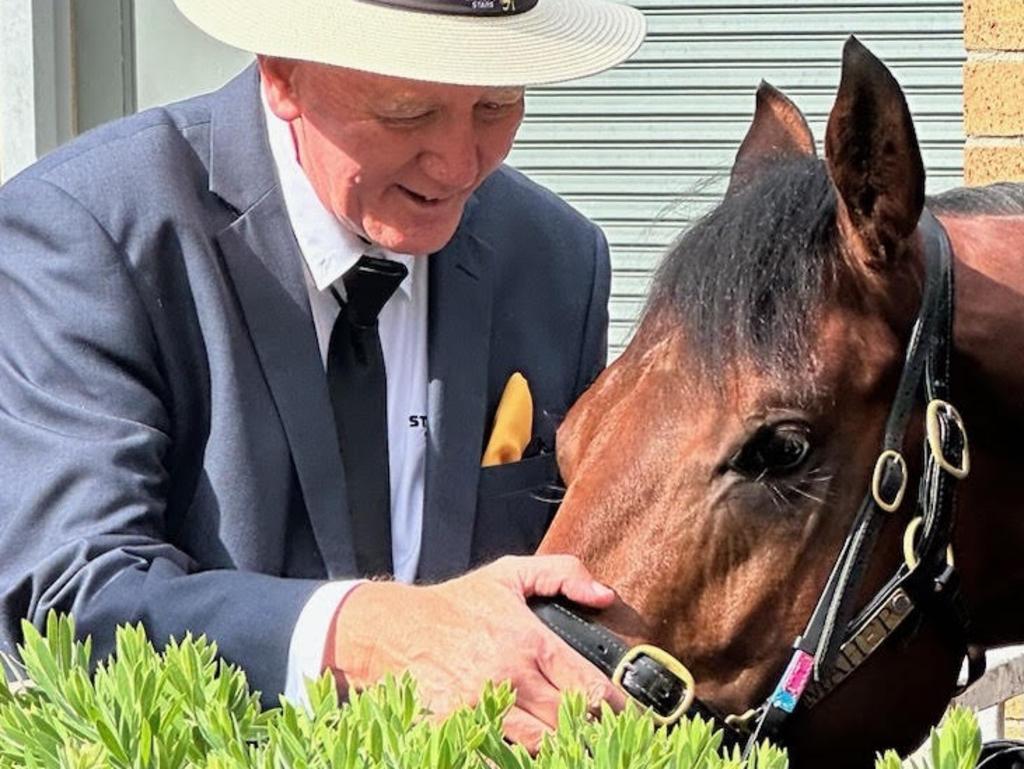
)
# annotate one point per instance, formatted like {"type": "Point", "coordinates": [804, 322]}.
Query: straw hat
{"type": "Point", "coordinates": [466, 42]}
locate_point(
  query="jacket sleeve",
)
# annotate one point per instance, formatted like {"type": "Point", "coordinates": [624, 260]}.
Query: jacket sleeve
{"type": "Point", "coordinates": [594, 354]}
{"type": "Point", "coordinates": [84, 438]}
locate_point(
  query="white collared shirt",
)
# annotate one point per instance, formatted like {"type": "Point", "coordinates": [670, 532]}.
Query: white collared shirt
{"type": "Point", "coordinates": [328, 250]}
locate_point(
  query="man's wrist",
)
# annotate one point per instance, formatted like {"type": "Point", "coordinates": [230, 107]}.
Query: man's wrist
{"type": "Point", "coordinates": [330, 644]}
{"type": "Point", "coordinates": [306, 648]}
{"type": "Point", "coordinates": [353, 640]}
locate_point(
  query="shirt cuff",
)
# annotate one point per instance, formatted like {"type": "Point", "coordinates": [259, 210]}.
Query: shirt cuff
{"type": "Point", "coordinates": [306, 650]}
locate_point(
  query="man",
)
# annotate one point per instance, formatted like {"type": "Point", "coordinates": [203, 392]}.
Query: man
{"type": "Point", "coordinates": [176, 286]}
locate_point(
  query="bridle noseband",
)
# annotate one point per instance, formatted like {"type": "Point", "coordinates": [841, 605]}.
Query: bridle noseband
{"type": "Point", "coordinates": [835, 643]}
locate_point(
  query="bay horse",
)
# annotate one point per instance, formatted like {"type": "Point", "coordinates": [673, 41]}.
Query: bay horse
{"type": "Point", "coordinates": [715, 471]}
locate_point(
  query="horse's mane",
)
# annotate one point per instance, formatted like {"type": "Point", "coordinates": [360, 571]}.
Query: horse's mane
{"type": "Point", "coordinates": [746, 279]}
{"type": "Point", "coordinates": [1003, 199]}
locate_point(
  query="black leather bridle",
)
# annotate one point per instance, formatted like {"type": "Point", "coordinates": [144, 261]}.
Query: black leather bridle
{"type": "Point", "coordinates": [834, 642]}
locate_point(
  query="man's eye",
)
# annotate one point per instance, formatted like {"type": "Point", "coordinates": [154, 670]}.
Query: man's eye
{"type": "Point", "coordinates": [406, 119]}
{"type": "Point", "coordinates": [498, 108]}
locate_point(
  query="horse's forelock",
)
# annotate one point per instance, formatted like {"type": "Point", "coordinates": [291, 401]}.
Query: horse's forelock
{"type": "Point", "coordinates": [748, 279]}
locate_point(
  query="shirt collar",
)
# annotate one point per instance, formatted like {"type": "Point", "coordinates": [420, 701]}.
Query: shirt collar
{"type": "Point", "coordinates": [328, 247]}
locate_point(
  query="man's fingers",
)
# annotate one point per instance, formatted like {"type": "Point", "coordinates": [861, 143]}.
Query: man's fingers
{"type": "Point", "coordinates": [536, 695]}
{"type": "Point", "coordinates": [525, 729]}
{"type": "Point", "coordinates": [568, 670]}
{"type": "Point", "coordinates": [588, 591]}
{"type": "Point", "coordinates": [551, 575]}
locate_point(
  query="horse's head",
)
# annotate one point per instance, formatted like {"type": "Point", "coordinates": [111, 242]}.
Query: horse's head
{"type": "Point", "coordinates": [713, 470]}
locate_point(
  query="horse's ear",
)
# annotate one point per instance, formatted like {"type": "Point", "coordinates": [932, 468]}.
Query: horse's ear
{"type": "Point", "coordinates": [778, 131]}
{"type": "Point", "coordinates": [873, 156]}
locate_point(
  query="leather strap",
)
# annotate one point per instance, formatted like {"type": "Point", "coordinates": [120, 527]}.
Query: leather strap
{"type": "Point", "coordinates": [1002, 754]}
{"type": "Point", "coordinates": [645, 679]}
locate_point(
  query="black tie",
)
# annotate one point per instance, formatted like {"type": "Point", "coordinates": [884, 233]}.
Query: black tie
{"type": "Point", "coordinates": [358, 386]}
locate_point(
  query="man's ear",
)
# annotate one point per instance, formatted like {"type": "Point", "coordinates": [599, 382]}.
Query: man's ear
{"type": "Point", "coordinates": [276, 74]}
{"type": "Point", "coordinates": [777, 133]}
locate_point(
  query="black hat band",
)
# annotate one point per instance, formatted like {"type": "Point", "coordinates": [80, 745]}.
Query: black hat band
{"type": "Point", "coordinates": [460, 7]}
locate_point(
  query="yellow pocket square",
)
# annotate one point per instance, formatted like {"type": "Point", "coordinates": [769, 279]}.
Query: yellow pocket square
{"type": "Point", "coordinates": [513, 424]}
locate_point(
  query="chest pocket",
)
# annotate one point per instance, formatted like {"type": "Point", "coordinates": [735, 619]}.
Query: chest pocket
{"type": "Point", "coordinates": [515, 505]}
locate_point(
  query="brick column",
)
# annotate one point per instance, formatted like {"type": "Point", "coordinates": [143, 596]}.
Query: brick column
{"type": "Point", "coordinates": [1014, 724]}
{"type": "Point", "coordinates": [994, 91]}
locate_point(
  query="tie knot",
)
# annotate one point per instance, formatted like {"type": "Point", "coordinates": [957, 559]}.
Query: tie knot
{"type": "Point", "coordinates": [369, 283]}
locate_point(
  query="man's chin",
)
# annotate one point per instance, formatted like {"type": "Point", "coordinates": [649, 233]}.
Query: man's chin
{"type": "Point", "coordinates": [415, 244]}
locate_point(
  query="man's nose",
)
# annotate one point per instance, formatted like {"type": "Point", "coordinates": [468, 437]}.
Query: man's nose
{"type": "Point", "coordinates": [452, 157]}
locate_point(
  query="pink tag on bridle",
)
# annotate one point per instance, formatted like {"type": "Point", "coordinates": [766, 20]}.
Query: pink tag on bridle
{"type": "Point", "coordinates": [798, 673]}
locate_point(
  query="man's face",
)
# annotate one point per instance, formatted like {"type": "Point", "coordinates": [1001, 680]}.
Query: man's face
{"type": "Point", "coordinates": [395, 159]}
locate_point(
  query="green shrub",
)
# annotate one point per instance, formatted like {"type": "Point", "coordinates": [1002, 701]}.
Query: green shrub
{"type": "Point", "coordinates": [186, 708]}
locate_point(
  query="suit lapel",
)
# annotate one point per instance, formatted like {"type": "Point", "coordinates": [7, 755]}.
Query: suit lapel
{"type": "Point", "coordinates": [458, 350]}
{"type": "Point", "coordinates": [265, 267]}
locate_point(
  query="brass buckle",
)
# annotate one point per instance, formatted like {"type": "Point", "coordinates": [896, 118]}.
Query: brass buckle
{"type": "Point", "coordinates": [743, 722]}
{"type": "Point", "coordinates": [876, 480]}
{"type": "Point", "coordinates": [910, 552]}
{"type": "Point", "coordinates": [935, 438]}
{"type": "Point", "coordinates": [674, 666]}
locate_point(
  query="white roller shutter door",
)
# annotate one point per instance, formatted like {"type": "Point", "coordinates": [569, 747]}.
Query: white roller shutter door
{"type": "Point", "coordinates": [645, 149]}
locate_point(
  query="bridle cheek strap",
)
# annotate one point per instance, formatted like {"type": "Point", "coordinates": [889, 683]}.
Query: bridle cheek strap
{"type": "Point", "coordinates": [832, 645]}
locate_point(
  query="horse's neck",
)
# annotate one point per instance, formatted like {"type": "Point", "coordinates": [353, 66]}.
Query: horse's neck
{"type": "Point", "coordinates": [989, 390]}
{"type": "Point", "coordinates": [988, 383]}
{"type": "Point", "coordinates": [989, 314]}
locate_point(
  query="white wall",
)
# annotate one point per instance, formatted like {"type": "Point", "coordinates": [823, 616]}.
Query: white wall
{"type": "Point", "coordinates": [173, 59]}
{"type": "Point", "coordinates": [35, 80]}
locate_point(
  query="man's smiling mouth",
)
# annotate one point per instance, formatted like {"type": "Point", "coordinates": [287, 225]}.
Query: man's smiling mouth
{"type": "Point", "coordinates": [423, 200]}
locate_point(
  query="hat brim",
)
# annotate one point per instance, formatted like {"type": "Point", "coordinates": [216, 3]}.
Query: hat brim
{"type": "Point", "coordinates": [554, 41]}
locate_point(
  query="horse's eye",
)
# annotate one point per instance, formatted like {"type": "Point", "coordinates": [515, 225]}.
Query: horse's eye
{"type": "Point", "coordinates": [773, 450]}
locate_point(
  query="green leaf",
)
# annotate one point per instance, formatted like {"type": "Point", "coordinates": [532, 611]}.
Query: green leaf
{"type": "Point", "coordinates": [145, 744]}
{"type": "Point", "coordinates": [112, 743]}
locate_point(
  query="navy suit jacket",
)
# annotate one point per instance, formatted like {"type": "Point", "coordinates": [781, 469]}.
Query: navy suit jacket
{"type": "Point", "coordinates": [167, 448]}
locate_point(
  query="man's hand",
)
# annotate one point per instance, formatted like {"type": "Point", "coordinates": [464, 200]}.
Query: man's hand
{"type": "Point", "coordinates": [456, 635]}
